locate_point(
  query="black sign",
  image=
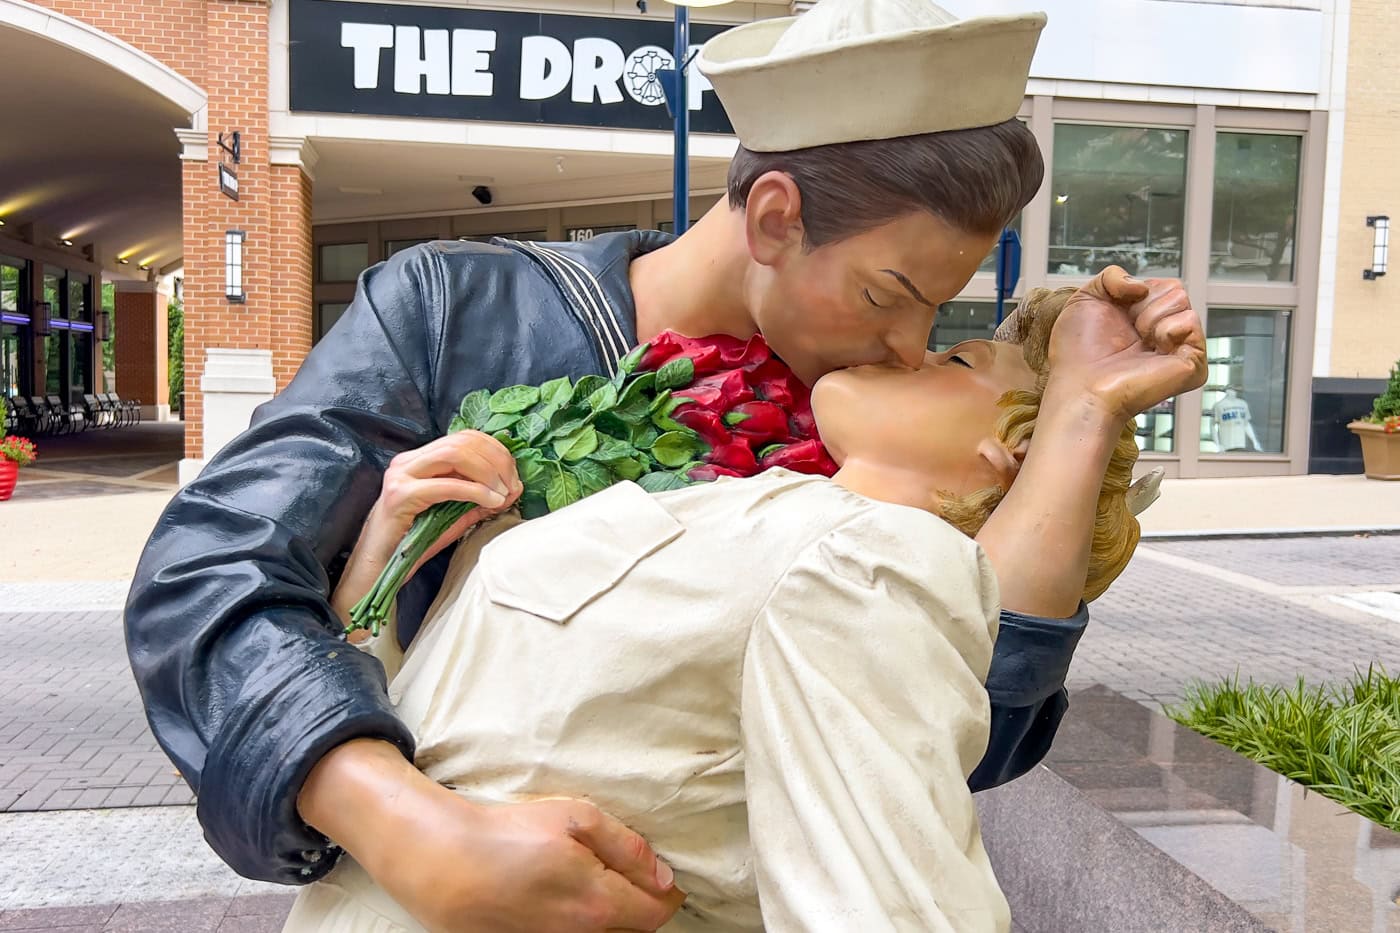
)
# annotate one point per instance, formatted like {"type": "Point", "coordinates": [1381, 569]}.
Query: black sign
{"type": "Point", "coordinates": [470, 64]}
{"type": "Point", "coordinates": [228, 181]}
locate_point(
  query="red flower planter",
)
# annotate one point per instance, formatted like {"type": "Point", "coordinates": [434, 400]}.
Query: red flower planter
{"type": "Point", "coordinates": [9, 473]}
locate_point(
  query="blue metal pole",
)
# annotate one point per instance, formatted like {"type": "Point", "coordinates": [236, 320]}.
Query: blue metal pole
{"type": "Point", "coordinates": [680, 215]}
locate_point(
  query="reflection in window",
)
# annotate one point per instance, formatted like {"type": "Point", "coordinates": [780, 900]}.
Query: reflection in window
{"type": "Point", "coordinates": [11, 378]}
{"type": "Point", "coordinates": [78, 309]}
{"type": "Point", "coordinates": [963, 320]}
{"type": "Point", "coordinates": [1244, 401]}
{"type": "Point", "coordinates": [11, 283]}
{"type": "Point", "coordinates": [1156, 428]}
{"type": "Point", "coordinates": [1254, 213]}
{"type": "Point", "coordinates": [342, 262]}
{"type": "Point", "coordinates": [80, 367]}
{"type": "Point", "coordinates": [1117, 198]}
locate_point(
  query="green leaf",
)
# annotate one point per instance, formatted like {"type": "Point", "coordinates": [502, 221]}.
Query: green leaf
{"type": "Point", "coordinates": [567, 421]}
{"type": "Point", "coordinates": [679, 372]}
{"type": "Point", "coordinates": [736, 418]}
{"type": "Point", "coordinates": [530, 428]}
{"type": "Point", "coordinates": [475, 409]}
{"type": "Point", "coordinates": [770, 449]}
{"type": "Point", "coordinates": [644, 435]}
{"type": "Point", "coordinates": [610, 448]}
{"type": "Point", "coordinates": [556, 392]}
{"type": "Point", "coordinates": [610, 423]}
{"type": "Point", "coordinates": [640, 385]}
{"type": "Point", "coordinates": [604, 398]}
{"type": "Point", "coordinates": [564, 490]}
{"type": "Point", "coordinates": [578, 445]}
{"type": "Point", "coordinates": [514, 399]}
{"type": "Point", "coordinates": [666, 422]}
{"type": "Point", "coordinates": [630, 468]}
{"type": "Point", "coordinates": [592, 476]}
{"type": "Point", "coordinates": [510, 441]}
{"type": "Point", "coordinates": [661, 481]}
{"type": "Point", "coordinates": [532, 467]}
{"type": "Point", "coordinates": [500, 421]}
{"type": "Point", "coordinates": [675, 448]}
{"type": "Point", "coordinates": [586, 387]}
{"type": "Point", "coordinates": [533, 506]}
{"type": "Point", "coordinates": [662, 399]}
{"type": "Point", "coordinates": [458, 423]}
{"type": "Point", "coordinates": [628, 364]}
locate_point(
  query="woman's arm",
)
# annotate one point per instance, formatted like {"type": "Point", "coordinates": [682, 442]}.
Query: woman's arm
{"type": "Point", "coordinates": [863, 714]}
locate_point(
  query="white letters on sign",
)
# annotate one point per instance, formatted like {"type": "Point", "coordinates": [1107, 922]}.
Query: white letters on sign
{"type": "Point", "coordinates": [458, 62]}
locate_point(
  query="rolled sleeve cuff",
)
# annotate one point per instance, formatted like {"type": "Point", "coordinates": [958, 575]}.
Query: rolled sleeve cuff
{"type": "Point", "coordinates": [256, 769]}
{"type": "Point", "coordinates": [1032, 657]}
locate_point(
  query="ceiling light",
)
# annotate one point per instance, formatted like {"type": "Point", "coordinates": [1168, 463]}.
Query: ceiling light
{"type": "Point", "coordinates": [123, 262]}
{"type": "Point", "coordinates": [2, 223]}
{"type": "Point", "coordinates": [66, 242]}
{"type": "Point", "coordinates": [144, 267]}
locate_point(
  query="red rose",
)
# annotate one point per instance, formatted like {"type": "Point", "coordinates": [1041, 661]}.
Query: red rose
{"type": "Point", "coordinates": [774, 382]}
{"type": "Point", "coordinates": [703, 422]}
{"type": "Point", "coordinates": [660, 350]}
{"type": "Point", "coordinates": [744, 354]}
{"type": "Point", "coordinates": [734, 456]}
{"type": "Point", "coordinates": [758, 421]}
{"type": "Point", "coordinates": [719, 392]}
{"type": "Point", "coordinates": [802, 457]}
{"type": "Point", "coordinates": [709, 472]}
{"type": "Point", "coordinates": [802, 423]}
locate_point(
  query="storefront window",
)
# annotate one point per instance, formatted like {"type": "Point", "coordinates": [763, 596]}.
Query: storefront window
{"type": "Point", "coordinates": [53, 290]}
{"type": "Point", "coordinates": [79, 308]}
{"type": "Point", "coordinates": [11, 283]}
{"type": "Point", "coordinates": [1156, 428]}
{"type": "Point", "coordinates": [12, 380]}
{"type": "Point", "coordinates": [80, 366]}
{"type": "Point", "coordinates": [342, 262]}
{"type": "Point", "coordinates": [1255, 210]}
{"type": "Point", "coordinates": [963, 320]}
{"type": "Point", "coordinates": [54, 345]}
{"type": "Point", "coordinates": [1117, 198]}
{"type": "Point", "coordinates": [327, 313]}
{"type": "Point", "coordinates": [1243, 407]}
{"type": "Point", "coordinates": [397, 246]}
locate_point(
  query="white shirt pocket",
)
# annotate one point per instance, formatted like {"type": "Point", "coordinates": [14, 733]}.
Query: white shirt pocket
{"type": "Point", "coordinates": [554, 566]}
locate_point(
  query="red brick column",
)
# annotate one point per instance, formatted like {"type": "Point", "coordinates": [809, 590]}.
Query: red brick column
{"type": "Point", "coordinates": [291, 272]}
{"type": "Point", "coordinates": [141, 323]}
{"type": "Point", "coordinates": [273, 211]}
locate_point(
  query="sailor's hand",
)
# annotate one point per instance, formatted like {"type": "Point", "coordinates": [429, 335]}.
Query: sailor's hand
{"type": "Point", "coordinates": [461, 867]}
{"type": "Point", "coordinates": [1126, 344]}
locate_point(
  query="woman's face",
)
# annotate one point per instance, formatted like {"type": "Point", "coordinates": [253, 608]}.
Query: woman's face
{"type": "Point", "coordinates": [938, 421]}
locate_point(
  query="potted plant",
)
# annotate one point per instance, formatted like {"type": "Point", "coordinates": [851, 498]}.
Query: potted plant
{"type": "Point", "coordinates": [15, 452]}
{"type": "Point", "coordinates": [1380, 432]}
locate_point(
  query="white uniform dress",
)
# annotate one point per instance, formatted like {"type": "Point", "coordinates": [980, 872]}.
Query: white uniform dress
{"type": "Point", "coordinates": [778, 682]}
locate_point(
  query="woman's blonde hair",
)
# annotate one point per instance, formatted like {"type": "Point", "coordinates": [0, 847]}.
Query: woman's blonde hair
{"type": "Point", "coordinates": [1116, 530]}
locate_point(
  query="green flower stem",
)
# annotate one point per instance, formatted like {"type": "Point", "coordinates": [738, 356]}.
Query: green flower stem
{"type": "Point", "coordinates": [372, 611]}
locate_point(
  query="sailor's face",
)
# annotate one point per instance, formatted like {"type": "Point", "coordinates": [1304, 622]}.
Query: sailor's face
{"type": "Point", "coordinates": [870, 298]}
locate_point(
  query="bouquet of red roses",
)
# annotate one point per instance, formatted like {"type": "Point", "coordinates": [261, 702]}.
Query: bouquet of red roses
{"type": "Point", "coordinates": [679, 411]}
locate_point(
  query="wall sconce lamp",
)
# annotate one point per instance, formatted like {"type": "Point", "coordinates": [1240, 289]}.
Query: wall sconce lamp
{"type": "Point", "coordinates": [1380, 255]}
{"type": "Point", "coordinates": [233, 266]}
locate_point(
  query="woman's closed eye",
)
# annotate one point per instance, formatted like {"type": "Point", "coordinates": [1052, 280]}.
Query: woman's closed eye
{"type": "Point", "coordinates": [870, 300]}
{"type": "Point", "coordinates": [958, 359]}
